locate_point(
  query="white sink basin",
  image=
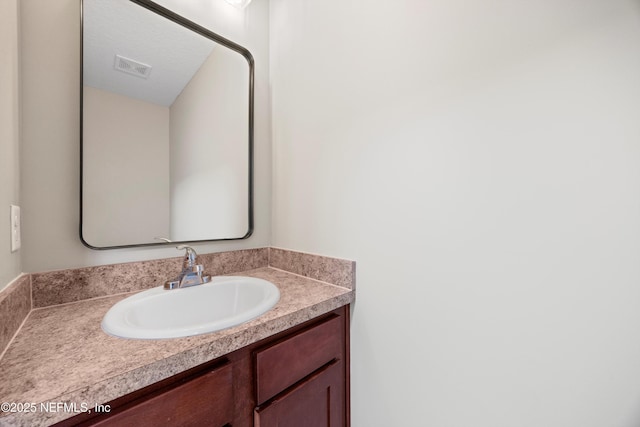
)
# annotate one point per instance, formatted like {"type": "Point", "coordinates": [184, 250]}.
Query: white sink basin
{"type": "Point", "coordinates": [224, 302]}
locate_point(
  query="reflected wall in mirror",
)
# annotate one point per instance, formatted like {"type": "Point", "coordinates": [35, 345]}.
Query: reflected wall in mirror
{"type": "Point", "coordinates": [167, 129]}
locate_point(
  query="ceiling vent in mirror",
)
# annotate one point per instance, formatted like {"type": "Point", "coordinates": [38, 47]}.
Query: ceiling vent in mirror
{"type": "Point", "coordinates": [240, 4]}
{"type": "Point", "coordinates": [130, 66]}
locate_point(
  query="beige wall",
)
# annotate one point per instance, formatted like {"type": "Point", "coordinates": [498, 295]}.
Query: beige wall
{"type": "Point", "coordinates": [126, 141]}
{"type": "Point", "coordinates": [209, 150]}
{"type": "Point", "coordinates": [51, 99]}
{"type": "Point", "coordinates": [480, 160]}
{"type": "Point", "coordinates": [10, 263]}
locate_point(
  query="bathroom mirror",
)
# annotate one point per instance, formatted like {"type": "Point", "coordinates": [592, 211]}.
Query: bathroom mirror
{"type": "Point", "coordinates": [167, 129]}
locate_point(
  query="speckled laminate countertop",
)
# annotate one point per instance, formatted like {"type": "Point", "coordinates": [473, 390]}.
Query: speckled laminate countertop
{"type": "Point", "coordinates": [62, 355]}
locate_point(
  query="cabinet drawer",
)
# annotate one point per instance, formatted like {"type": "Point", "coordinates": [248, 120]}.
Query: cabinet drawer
{"type": "Point", "coordinates": [287, 362]}
{"type": "Point", "coordinates": [205, 400]}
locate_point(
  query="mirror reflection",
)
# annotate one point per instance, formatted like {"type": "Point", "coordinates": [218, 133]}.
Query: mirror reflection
{"type": "Point", "coordinates": [166, 131]}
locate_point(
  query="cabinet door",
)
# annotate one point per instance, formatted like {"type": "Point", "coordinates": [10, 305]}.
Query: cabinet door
{"type": "Point", "coordinates": [317, 401]}
{"type": "Point", "coordinates": [204, 401]}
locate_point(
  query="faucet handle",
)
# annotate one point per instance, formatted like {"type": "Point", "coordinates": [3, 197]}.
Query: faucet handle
{"type": "Point", "coordinates": [189, 256]}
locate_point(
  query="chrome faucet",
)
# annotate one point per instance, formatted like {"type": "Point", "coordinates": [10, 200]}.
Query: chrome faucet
{"type": "Point", "coordinates": [192, 274]}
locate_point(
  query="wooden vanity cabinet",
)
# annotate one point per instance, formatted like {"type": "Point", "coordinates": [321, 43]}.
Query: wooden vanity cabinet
{"type": "Point", "coordinates": [299, 377]}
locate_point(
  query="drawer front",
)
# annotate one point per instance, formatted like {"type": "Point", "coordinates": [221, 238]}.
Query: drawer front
{"type": "Point", "coordinates": [283, 364]}
{"type": "Point", "coordinates": [205, 400]}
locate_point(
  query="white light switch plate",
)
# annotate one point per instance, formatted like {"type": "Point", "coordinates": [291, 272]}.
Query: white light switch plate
{"type": "Point", "coordinates": [15, 228]}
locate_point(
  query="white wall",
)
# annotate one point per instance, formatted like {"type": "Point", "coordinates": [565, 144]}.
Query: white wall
{"type": "Point", "coordinates": [10, 263]}
{"type": "Point", "coordinates": [209, 151]}
{"type": "Point", "coordinates": [481, 163]}
{"type": "Point", "coordinates": [126, 141]}
{"type": "Point", "coordinates": [50, 32]}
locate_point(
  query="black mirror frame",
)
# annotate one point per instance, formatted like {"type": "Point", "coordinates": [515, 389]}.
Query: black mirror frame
{"type": "Point", "coordinates": [180, 20]}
